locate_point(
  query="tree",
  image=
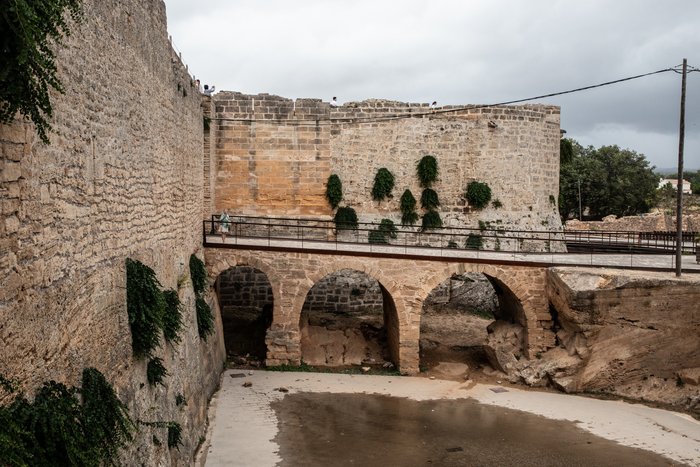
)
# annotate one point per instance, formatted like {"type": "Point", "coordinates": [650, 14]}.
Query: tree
{"type": "Point", "coordinates": [29, 30]}
{"type": "Point", "coordinates": [613, 181]}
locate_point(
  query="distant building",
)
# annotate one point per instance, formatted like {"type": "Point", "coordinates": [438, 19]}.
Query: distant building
{"type": "Point", "coordinates": [674, 184]}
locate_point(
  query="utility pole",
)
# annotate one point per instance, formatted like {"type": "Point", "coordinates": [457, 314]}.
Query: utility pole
{"type": "Point", "coordinates": [679, 193]}
{"type": "Point", "coordinates": [580, 213]}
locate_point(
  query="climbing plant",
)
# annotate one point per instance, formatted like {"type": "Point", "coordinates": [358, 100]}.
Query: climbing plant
{"type": "Point", "coordinates": [145, 306]}
{"type": "Point", "coordinates": [198, 273]}
{"type": "Point", "coordinates": [334, 191]}
{"type": "Point", "coordinates": [478, 194]}
{"type": "Point", "coordinates": [345, 219]}
{"type": "Point", "coordinates": [474, 242]}
{"type": "Point", "coordinates": [407, 204]}
{"type": "Point", "coordinates": [431, 220]}
{"type": "Point", "coordinates": [429, 199]}
{"type": "Point", "coordinates": [172, 318]}
{"type": "Point", "coordinates": [427, 171]}
{"type": "Point", "coordinates": [155, 371]}
{"type": "Point", "coordinates": [57, 428]}
{"type": "Point", "coordinates": [205, 319]}
{"type": "Point", "coordinates": [174, 435]}
{"type": "Point", "coordinates": [386, 230]}
{"type": "Point", "coordinates": [31, 30]}
{"type": "Point", "coordinates": [383, 184]}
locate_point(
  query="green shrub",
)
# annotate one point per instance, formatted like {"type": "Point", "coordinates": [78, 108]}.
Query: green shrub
{"type": "Point", "coordinates": [407, 204]}
{"type": "Point", "coordinates": [145, 306]}
{"type": "Point", "coordinates": [31, 32]}
{"type": "Point", "coordinates": [155, 371]}
{"type": "Point", "coordinates": [427, 171]}
{"type": "Point", "coordinates": [345, 219]}
{"type": "Point", "coordinates": [205, 319]}
{"type": "Point", "coordinates": [478, 194]}
{"type": "Point", "coordinates": [474, 242]}
{"type": "Point", "coordinates": [429, 199]}
{"type": "Point", "coordinates": [496, 203]}
{"type": "Point", "coordinates": [376, 236]}
{"type": "Point", "coordinates": [174, 435]}
{"type": "Point", "coordinates": [172, 318]}
{"type": "Point", "coordinates": [198, 273]}
{"type": "Point", "coordinates": [386, 228]}
{"type": "Point", "coordinates": [334, 191]}
{"type": "Point", "coordinates": [383, 184]}
{"type": "Point", "coordinates": [180, 400]}
{"type": "Point", "coordinates": [56, 429]}
{"type": "Point", "coordinates": [431, 220]}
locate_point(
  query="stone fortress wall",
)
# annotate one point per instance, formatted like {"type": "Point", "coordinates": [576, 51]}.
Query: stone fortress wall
{"type": "Point", "coordinates": [274, 156]}
{"type": "Point", "coordinates": [121, 178]}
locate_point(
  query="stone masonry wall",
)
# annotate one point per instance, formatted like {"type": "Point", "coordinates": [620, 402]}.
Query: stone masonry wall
{"type": "Point", "coordinates": [121, 178]}
{"type": "Point", "coordinates": [274, 156]}
{"type": "Point", "coordinates": [244, 288]}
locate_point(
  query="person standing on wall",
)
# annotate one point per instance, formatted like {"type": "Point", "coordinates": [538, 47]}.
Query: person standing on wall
{"type": "Point", "coordinates": [224, 225]}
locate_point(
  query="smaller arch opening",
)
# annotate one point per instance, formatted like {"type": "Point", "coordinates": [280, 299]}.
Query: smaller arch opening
{"type": "Point", "coordinates": [246, 302]}
{"type": "Point", "coordinates": [349, 319]}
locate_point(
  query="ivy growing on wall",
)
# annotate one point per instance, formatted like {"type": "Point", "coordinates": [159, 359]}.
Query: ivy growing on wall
{"type": "Point", "coordinates": [31, 29]}
{"type": "Point", "coordinates": [345, 219]}
{"type": "Point", "coordinates": [57, 429]}
{"type": "Point", "coordinates": [172, 318]}
{"type": "Point", "coordinates": [478, 194]}
{"type": "Point", "coordinates": [427, 171]}
{"type": "Point", "coordinates": [205, 318]}
{"type": "Point", "coordinates": [407, 204]}
{"type": "Point", "coordinates": [431, 220]}
{"type": "Point", "coordinates": [174, 435]}
{"type": "Point", "coordinates": [334, 191]}
{"type": "Point", "coordinates": [383, 184]}
{"type": "Point", "coordinates": [198, 273]}
{"type": "Point", "coordinates": [474, 242]}
{"type": "Point", "coordinates": [145, 305]}
{"type": "Point", "coordinates": [155, 371]}
{"type": "Point", "coordinates": [429, 199]}
{"type": "Point", "coordinates": [382, 234]}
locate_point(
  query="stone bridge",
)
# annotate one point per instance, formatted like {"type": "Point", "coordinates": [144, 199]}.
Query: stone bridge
{"type": "Point", "coordinates": [405, 283]}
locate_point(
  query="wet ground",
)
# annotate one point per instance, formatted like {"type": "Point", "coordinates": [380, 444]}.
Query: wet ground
{"type": "Point", "coordinates": [324, 429]}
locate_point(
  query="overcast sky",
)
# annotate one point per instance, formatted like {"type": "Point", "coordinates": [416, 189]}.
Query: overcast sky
{"type": "Point", "coordinates": [463, 52]}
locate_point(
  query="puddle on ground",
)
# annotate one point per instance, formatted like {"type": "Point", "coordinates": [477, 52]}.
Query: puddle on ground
{"type": "Point", "coordinates": [321, 429]}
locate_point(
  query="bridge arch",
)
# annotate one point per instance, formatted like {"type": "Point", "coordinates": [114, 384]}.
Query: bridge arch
{"type": "Point", "coordinates": [392, 309]}
{"type": "Point", "coordinates": [511, 290]}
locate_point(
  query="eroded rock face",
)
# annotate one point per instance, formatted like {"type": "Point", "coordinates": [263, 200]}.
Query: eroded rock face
{"type": "Point", "coordinates": [637, 334]}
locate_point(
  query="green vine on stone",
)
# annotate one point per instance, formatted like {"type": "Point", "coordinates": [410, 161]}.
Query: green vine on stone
{"type": "Point", "coordinates": [474, 242]}
{"type": "Point", "coordinates": [145, 305]}
{"type": "Point", "coordinates": [205, 319]}
{"type": "Point", "coordinates": [31, 30]}
{"type": "Point", "coordinates": [407, 204]}
{"type": "Point", "coordinates": [431, 220]}
{"type": "Point", "coordinates": [478, 194]}
{"type": "Point", "coordinates": [429, 199]}
{"type": "Point", "coordinates": [172, 318]}
{"type": "Point", "coordinates": [57, 429]}
{"type": "Point", "coordinates": [386, 228]}
{"type": "Point", "coordinates": [198, 273]}
{"type": "Point", "coordinates": [427, 171]}
{"type": "Point", "coordinates": [383, 184]}
{"type": "Point", "coordinates": [174, 435]}
{"type": "Point", "coordinates": [345, 219]}
{"type": "Point", "coordinates": [334, 191]}
{"type": "Point", "coordinates": [155, 371]}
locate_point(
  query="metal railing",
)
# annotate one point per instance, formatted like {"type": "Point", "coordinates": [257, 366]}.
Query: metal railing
{"type": "Point", "coordinates": [445, 241]}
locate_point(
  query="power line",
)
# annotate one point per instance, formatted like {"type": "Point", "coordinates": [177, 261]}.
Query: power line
{"type": "Point", "coordinates": [433, 112]}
